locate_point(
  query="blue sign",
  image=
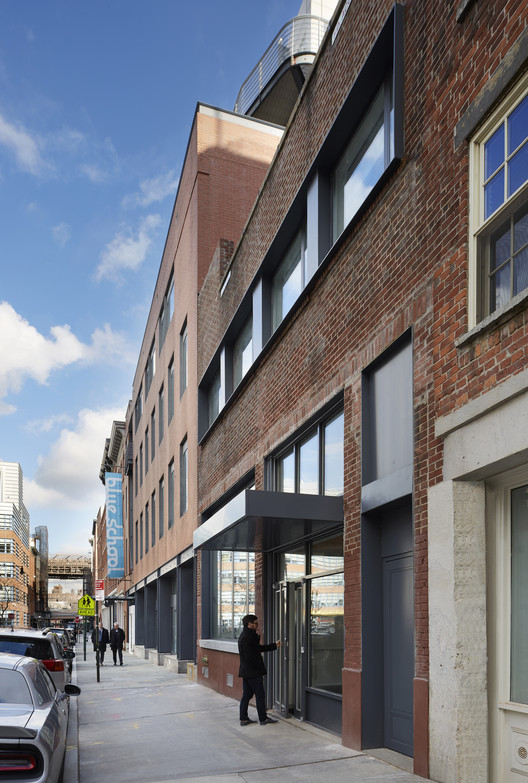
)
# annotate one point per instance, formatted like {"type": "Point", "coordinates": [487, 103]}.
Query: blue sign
{"type": "Point", "coordinates": [114, 525]}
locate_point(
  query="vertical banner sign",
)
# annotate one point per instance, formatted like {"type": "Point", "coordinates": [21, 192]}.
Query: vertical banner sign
{"type": "Point", "coordinates": [114, 525]}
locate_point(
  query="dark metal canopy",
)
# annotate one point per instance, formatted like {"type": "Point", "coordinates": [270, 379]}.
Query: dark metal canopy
{"type": "Point", "coordinates": [257, 521]}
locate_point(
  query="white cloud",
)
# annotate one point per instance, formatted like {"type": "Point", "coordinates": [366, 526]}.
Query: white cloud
{"type": "Point", "coordinates": [25, 148]}
{"type": "Point", "coordinates": [39, 426]}
{"type": "Point", "coordinates": [61, 233]}
{"type": "Point", "coordinates": [67, 477]}
{"type": "Point", "coordinates": [25, 354]}
{"type": "Point", "coordinates": [152, 190]}
{"type": "Point", "coordinates": [127, 251]}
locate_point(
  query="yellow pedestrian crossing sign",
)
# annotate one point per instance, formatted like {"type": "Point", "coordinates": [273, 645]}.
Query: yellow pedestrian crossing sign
{"type": "Point", "coordinates": [86, 606]}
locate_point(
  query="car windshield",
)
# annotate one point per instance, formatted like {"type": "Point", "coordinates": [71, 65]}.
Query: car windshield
{"type": "Point", "coordinates": [33, 648]}
{"type": "Point", "coordinates": [13, 688]}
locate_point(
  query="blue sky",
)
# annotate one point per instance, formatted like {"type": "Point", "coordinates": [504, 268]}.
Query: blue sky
{"type": "Point", "coordinates": [96, 104]}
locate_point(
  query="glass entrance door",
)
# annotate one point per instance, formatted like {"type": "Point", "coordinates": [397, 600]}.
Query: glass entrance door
{"type": "Point", "coordinates": [289, 672]}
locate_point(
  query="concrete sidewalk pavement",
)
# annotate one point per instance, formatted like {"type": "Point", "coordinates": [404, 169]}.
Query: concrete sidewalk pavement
{"type": "Point", "coordinates": [144, 724]}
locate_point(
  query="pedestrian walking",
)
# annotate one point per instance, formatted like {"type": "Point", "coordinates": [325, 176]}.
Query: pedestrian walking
{"type": "Point", "coordinates": [117, 637]}
{"type": "Point", "coordinates": [252, 670]}
{"type": "Point", "coordinates": [103, 641]}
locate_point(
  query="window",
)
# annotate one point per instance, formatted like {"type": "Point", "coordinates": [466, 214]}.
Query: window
{"type": "Point", "coordinates": [153, 434]}
{"type": "Point", "coordinates": [6, 546]}
{"type": "Point", "coordinates": [243, 352]}
{"type": "Point", "coordinates": [146, 450]}
{"type": "Point", "coordinates": [138, 408]}
{"type": "Point", "coordinates": [141, 536]}
{"type": "Point", "coordinates": [366, 157]}
{"type": "Point", "coordinates": [183, 359]}
{"type": "Point", "coordinates": [140, 464]}
{"type": "Point", "coordinates": [167, 311]}
{"type": "Point", "coordinates": [136, 473]}
{"type": "Point", "coordinates": [150, 369]}
{"type": "Point", "coordinates": [233, 588]}
{"type": "Point", "coordinates": [170, 390]}
{"type": "Point", "coordinates": [153, 518]}
{"type": "Point", "coordinates": [161, 501]}
{"type": "Point", "coordinates": [214, 397]}
{"type": "Point", "coordinates": [289, 279]}
{"type": "Point", "coordinates": [314, 464]}
{"type": "Point", "coordinates": [137, 540]}
{"type": "Point", "coordinates": [170, 520]}
{"type": "Point", "coordinates": [183, 477]}
{"type": "Point", "coordinates": [499, 207]}
{"type": "Point", "coordinates": [161, 412]}
{"type": "Point", "coordinates": [146, 528]}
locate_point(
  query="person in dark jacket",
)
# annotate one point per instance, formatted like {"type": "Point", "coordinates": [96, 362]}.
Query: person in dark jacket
{"type": "Point", "coordinates": [103, 641]}
{"type": "Point", "coordinates": [117, 637]}
{"type": "Point", "coordinates": [252, 670]}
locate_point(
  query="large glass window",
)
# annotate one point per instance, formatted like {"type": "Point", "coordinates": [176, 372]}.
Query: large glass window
{"type": "Point", "coordinates": [289, 280]}
{"type": "Point", "coordinates": [364, 160]}
{"type": "Point", "coordinates": [233, 583]}
{"type": "Point", "coordinates": [327, 598]}
{"type": "Point", "coordinates": [242, 352]}
{"type": "Point", "coordinates": [315, 464]}
{"type": "Point", "coordinates": [499, 159]}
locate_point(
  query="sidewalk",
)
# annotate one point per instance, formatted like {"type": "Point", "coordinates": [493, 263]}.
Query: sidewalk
{"type": "Point", "coordinates": [144, 724]}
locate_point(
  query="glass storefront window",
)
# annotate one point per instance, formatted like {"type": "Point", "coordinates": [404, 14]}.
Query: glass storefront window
{"type": "Point", "coordinates": [233, 592]}
{"type": "Point", "coordinates": [327, 635]}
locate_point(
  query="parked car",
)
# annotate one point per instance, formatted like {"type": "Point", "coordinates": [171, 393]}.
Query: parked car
{"type": "Point", "coordinates": [33, 721]}
{"type": "Point", "coordinates": [66, 641]}
{"type": "Point", "coordinates": [45, 646]}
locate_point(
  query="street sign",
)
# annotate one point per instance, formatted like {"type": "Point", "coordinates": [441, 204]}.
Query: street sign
{"type": "Point", "coordinates": [99, 590]}
{"type": "Point", "coordinates": [86, 606]}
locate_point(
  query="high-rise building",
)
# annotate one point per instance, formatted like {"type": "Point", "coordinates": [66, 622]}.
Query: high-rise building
{"type": "Point", "coordinates": [14, 547]}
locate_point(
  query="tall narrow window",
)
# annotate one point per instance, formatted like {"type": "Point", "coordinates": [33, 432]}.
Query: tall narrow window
{"type": "Point", "coordinates": [137, 540]}
{"type": "Point", "coordinates": [183, 359]}
{"type": "Point", "coordinates": [146, 450]}
{"type": "Point", "coordinates": [170, 499]}
{"type": "Point", "coordinates": [153, 518]}
{"type": "Point", "coordinates": [153, 433]}
{"type": "Point", "coordinates": [170, 391]}
{"type": "Point", "coordinates": [183, 477]}
{"type": "Point", "coordinates": [141, 536]}
{"type": "Point", "coordinates": [365, 159]}
{"type": "Point", "coordinates": [289, 280]}
{"type": "Point", "coordinates": [140, 464]}
{"type": "Point", "coordinates": [242, 352]}
{"type": "Point", "coordinates": [150, 368]}
{"type": "Point", "coordinates": [146, 528]}
{"type": "Point", "coordinates": [161, 413]}
{"type": "Point", "coordinates": [214, 397]}
{"type": "Point", "coordinates": [161, 508]}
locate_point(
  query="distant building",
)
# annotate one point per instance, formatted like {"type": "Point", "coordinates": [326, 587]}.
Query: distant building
{"type": "Point", "coordinates": [14, 547]}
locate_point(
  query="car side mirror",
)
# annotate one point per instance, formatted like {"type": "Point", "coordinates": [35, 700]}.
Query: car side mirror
{"type": "Point", "coordinates": [69, 654]}
{"type": "Point", "coordinates": [72, 690]}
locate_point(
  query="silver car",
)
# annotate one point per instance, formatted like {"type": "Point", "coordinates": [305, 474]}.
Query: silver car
{"type": "Point", "coordinates": [33, 721]}
{"type": "Point", "coordinates": [45, 646]}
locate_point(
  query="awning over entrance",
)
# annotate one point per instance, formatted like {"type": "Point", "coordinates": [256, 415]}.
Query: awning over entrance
{"type": "Point", "coordinates": [256, 521]}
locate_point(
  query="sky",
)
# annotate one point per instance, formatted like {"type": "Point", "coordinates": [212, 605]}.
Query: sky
{"type": "Point", "coordinates": [97, 100]}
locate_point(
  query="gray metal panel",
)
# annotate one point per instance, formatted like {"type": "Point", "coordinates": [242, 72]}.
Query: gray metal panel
{"type": "Point", "coordinates": [388, 489]}
{"type": "Point", "coordinates": [263, 521]}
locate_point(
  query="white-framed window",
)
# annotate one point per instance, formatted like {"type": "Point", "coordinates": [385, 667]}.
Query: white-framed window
{"type": "Point", "coordinates": [366, 157]}
{"type": "Point", "coordinates": [499, 207]}
{"type": "Point", "coordinates": [6, 546]}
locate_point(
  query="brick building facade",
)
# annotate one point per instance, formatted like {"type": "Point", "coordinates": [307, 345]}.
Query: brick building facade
{"type": "Point", "coordinates": [355, 393]}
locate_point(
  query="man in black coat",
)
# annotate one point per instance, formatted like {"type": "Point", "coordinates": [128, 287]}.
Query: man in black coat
{"type": "Point", "coordinates": [252, 670]}
{"type": "Point", "coordinates": [103, 641]}
{"type": "Point", "coordinates": [117, 637]}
